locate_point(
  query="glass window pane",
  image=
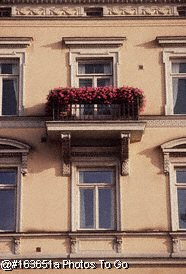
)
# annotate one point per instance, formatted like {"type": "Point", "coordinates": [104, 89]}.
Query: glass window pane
{"type": "Point", "coordinates": [9, 100]}
{"type": "Point", "coordinates": [101, 82]}
{"type": "Point", "coordinates": [179, 67]}
{"type": "Point", "coordinates": [85, 83]}
{"type": "Point", "coordinates": [86, 208]}
{"type": "Point", "coordinates": [179, 96]}
{"type": "Point", "coordinates": [8, 177]}
{"type": "Point", "coordinates": [181, 176]}
{"type": "Point", "coordinates": [8, 68]}
{"type": "Point", "coordinates": [105, 208]}
{"type": "Point", "coordinates": [182, 207]}
{"type": "Point", "coordinates": [92, 177]}
{"type": "Point", "coordinates": [99, 68]}
{"type": "Point", "coordinates": [7, 209]}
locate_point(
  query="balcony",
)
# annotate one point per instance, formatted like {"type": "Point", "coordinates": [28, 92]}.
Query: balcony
{"type": "Point", "coordinates": [96, 112]}
{"type": "Point", "coordinates": [103, 112]}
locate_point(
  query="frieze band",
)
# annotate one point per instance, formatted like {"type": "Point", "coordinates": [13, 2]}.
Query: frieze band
{"type": "Point", "coordinates": [5, 2]}
{"type": "Point", "coordinates": [77, 11]}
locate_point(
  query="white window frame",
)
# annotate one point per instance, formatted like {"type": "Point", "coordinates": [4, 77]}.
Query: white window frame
{"type": "Point", "coordinates": [17, 153]}
{"type": "Point", "coordinates": [15, 48]}
{"type": "Point", "coordinates": [171, 55]}
{"type": "Point", "coordinates": [174, 196]}
{"type": "Point", "coordinates": [93, 47]}
{"type": "Point", "coordinates": [10, 77]}
{"type": "Point", "coordinates": [171, 163]}
{"type": "Point", "coordinates": [94, 76]}
{"type": "Point", "coordinates": [75, 197]}
{"type": "Point", "coordinates": [17, 190]}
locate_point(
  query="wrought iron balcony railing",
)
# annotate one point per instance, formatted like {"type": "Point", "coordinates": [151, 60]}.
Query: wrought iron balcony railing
{"type": "Point", "coordinates": [76, 112]}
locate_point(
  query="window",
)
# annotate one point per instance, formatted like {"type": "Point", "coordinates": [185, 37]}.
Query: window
{"type": "Point", "coordinates": [182, 11]}
{"type": "Point", "coordinates": [94, 73]}
{"type": "Point", "coordinates": [96, 198]}
{"type": "Point", "coordinates": [8, 189]}
{"type": "Point", "coordinates": [13, 163]}
{"type": "Point", "coordinates": [180, 185]}
{"type": "Point", "coordinates": [178, 74]}
{"type": "Point", "coordinates": [174, 58]}
{"type": "Point", "coordinates": [94, 63]}
{"type": "Point", "coordinates": [175, 167]}
{"type": "Point", "coordinates": [12, 74]}
{"type": "Point", "coordinates": [94, 12]}
{"type": "Point", "coordinates": [5, 12]}
{"type": "Point", "coordinates": [94, 192]}
{"type": "Point", "coordinates": [9, 79]}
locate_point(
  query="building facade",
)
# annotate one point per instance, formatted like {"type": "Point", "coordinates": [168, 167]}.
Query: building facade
{"type": "Point", "coordinates": [92, 179]}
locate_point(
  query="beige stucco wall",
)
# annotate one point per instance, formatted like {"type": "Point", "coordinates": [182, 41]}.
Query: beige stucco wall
{"type": "Point", "coordinates": [45, 194]}
{"type": "Point", "coordinates": [48, 66]}
{"type": "Point", "coordinates": [45, 191]}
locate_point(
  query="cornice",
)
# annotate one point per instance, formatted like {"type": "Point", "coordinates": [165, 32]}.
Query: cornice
{"type": "Point", "coordinates": [84, 2]}
{"type": "Point", "coordinates": [171, 40]}
{"type": "Point", "coordinates": [93, 41]}
{"type": "Point", "coordinates": [15, 42]}
{"type": "Point", "coordinates": [107, 8]}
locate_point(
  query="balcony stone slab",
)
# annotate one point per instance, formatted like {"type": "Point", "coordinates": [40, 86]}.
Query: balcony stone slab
{"type": "Point", "coordinates": [96, 129]}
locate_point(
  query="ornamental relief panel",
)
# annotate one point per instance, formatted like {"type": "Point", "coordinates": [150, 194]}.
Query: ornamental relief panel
{"type": "Point", "coordinates": [121, 10]}
{"type": "Point", "coordinates": [45, 12]}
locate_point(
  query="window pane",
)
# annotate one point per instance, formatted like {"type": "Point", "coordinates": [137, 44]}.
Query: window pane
{"type": "Point", "coordinates": [179, 67]}
{"type": "Point", "coordinates": [92, 177]}
{"type": "Point", "coordinates": [85, 82]}
{"type": "Point", "coordinates": [9, 100]}
{"type": "Point", "coordinates": [101, 82]}
{"type": "Point", "coordinates": [7, 209]}
{"type": "Point", "coordinates": [181, 176]}
{"type": "Point", "coordinates": [8, 177]}
{"type": "Point", "coordinates": [93, 68]}
{"type": "Point", "coordinates": [86, 208]}
{"type": "Point", "coordinates": [182, 207]}
{"type": "Point", "coordinates": [8, 68]}
{"type": "Point", "coordinates": [105, 208]}
{"type": "Point", "coordinates": [179, 96]}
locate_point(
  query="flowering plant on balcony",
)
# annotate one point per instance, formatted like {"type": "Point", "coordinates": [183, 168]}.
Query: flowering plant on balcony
{"type": "Point", "coordinates": [99, 95]}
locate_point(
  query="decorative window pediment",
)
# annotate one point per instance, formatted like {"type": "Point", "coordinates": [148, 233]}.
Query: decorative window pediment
{"type": "Point", "coordinates": [173, 151]}
{"type": "Point", "coordinates": [12, 151]}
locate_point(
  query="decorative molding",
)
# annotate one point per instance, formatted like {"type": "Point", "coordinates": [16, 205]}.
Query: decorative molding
{"type": "Point", "coordinates": [175, 245]}
{"type": "Point", "coordinates": [75, 10]}
{"type": "Point", "coordinates": [136, 2]}
{"type": "Point", "coordinates": [166, 163]}
{"type": "Point", "coordinates": [24, 159]}
{"type": "Point", "coordinates": [16, 246]}
{"type": "Point", "coordinates": [73, 245]}
{"type": "Point", "coordinates": [118, 244]}
{"type": "Point", "coordinates": [165, 123]}
{"type": "Point", "coordinates": [93, 41]}
{"type": "Point", "coordinates": [15, 42]}
{"type": "Point", "coordinates": [142, 11]}
{"type": "Point", "coordinates": [171, 40]}
{"type": "Point", "coordinates": [173, 148]}
{"type": "Point", "coordinates": [66, 153]}
{"type": "Point", "coordinates": [125, 140]}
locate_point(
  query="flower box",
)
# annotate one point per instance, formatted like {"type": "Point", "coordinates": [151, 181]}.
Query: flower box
{"type": "Point", "coordinates": [96, 103]}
